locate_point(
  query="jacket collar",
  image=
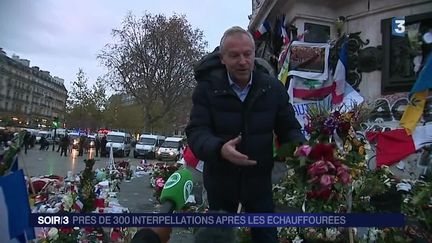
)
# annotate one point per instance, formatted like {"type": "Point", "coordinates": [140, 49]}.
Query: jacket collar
{"type": "Point", "coordinates": [259, 82]}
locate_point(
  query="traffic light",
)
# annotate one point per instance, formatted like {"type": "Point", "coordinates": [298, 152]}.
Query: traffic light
{"type": "Point", "coordinates": [56, 122]}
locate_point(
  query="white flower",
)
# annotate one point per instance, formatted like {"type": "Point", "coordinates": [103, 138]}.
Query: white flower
{"type": "Point", "coordinates": [290, 172]}
{"type": "Point", "coordinates": [279, 187]}
{"type": "Point", "coordinates": [67, 202]}
{"type": "Point", "coordinates": [387, 182]}
{"type": "Point", "coordinates": [297, 240]}
{"type": "Point", "coordinates": [332, 233]}
{"type": "Point", "coordinates": [53, 233]}
{"type": "Point", "coordinates": [372, 235]}
{"type": "Point", "coordinates": [289, 197]}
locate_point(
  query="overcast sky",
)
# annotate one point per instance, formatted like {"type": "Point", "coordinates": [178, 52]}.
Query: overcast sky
{"type": "Point", "coordinates": [61, 36]}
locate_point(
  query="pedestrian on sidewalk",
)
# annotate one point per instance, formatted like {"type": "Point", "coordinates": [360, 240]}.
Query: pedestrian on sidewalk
{"type": "Point", "coordinates": [27, 141]}
{"type": "Point", "coordinates": [104, 142]}
{"type": "Point", "coordinates": [64, 144]}
{"type": "Point", "coordinates": [97, 145]}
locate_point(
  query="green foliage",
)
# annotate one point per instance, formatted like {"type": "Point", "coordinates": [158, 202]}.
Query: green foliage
{"type": "Point", "coordinates": [85, 105]}
{"type": "Point", "coordinates": [67, 236]}
{"type": "Point", "coordinates": [8, 156]}
{"type": "Point", "coordinates": [419, 203]}
{"type": "Point", "coordinates": [122, 116]}
{"type": "Point", "coordinates": [286, 150]}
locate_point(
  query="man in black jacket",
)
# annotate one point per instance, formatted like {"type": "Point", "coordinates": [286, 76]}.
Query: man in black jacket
{"type": "Point", "coordinates": [236, 110]}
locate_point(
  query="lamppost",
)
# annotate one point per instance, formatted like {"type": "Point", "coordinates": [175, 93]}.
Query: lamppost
{"type": "Point", "coordinates": [55, 124]}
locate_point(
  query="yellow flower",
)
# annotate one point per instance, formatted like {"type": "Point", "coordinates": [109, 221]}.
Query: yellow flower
{"type": "Point", "coordinates": [361, 150]}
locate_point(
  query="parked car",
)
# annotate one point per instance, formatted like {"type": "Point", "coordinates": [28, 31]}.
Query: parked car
{"type": "Point", "coordinates": [170, 149]}
{"type": "Point", "coordinates": [148, 145]}
{"type": "Point", "coordinates": [120, 142]}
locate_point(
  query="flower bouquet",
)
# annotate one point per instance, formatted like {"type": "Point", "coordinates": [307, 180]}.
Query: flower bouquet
{"type": "Point", "coordinates": [161, 173]}
{"type": "Point", "coordinates": [321, 172]}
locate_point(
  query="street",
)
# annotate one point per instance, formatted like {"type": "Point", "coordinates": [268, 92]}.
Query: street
{"type": "Point", "coordinates": [137, 195]}
{"type": "Point", "coordinates": [37, 162]}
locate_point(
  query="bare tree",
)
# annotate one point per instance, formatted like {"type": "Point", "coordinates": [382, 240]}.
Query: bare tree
{"type": "Point", "coordinates": [152, 61]}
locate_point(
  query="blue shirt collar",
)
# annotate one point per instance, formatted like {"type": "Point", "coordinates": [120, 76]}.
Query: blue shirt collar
{"type": "Point", "coordinates": [231, 82]}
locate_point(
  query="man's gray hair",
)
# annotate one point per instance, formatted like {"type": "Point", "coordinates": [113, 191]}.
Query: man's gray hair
{"type": "Point", "coordinates": [235, 30]}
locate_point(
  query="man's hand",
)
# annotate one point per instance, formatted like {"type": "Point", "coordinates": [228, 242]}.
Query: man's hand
{"type": "Point", "coordinates": [230, 153]}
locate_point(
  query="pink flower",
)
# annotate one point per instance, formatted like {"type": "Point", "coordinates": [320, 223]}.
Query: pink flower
{"type": "Point", "coordinates": [303, 151]}
{"type": "Point", "coordinates": [318, 168]}
{"type": "Point", "coordinates": [160, 182]}
{"type": "Point", "coordinates": [331, 166]}
{"type": "Point", "coordinates": [343, 174]}
{"type": "Point", "coordinates": [326, 180]}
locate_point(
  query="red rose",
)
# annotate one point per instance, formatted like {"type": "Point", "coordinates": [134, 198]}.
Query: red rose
{"type": "Point", "coordinates": [324, 194]}
{"type": "Point", "coordinates": [66, 230]}
{"type": "Point", "coordinates": [322, 151]}
{"type": "Point", "coordinates": [312, 194]}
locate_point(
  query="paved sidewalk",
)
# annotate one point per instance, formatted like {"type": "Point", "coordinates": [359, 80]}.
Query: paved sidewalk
{"type": "Point", "coordinates": [137, 195]}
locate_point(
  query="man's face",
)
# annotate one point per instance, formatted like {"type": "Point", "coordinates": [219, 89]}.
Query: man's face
{"type": "Point", "coordinates": [238, 56]}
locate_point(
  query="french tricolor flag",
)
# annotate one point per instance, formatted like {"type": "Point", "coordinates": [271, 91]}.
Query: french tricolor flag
{"type": "Point", "coordinates": [264, 28]}
{"type": "Point", "coordinates": [340, 75]}
{"type": "Point", "coordinates": [14, 209]}
{"type": "Point", "coordinates": [78, 205]}
{"type": "Point", "coordinates": [284, 34]}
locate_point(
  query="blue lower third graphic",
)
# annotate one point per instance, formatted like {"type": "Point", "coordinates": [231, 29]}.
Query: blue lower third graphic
{"type": "Point", "coordinates": [218, 220]}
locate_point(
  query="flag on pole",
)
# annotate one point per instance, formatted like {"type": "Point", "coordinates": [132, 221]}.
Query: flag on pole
{"type": "Point", "coordinates": [395, 145]}
{"type": "Point", "coordinates": [14, 209]}
{"type": "Point", "coordinates": [78, 205]}
{"type": "Point", "coordinates": [340, 75]}
{"type": "Point", "coordinates": [284, 34]}
{"type": "Point", "coordinates": [264, 28]}
{"type": "Point", "coordinates": [417, 98]}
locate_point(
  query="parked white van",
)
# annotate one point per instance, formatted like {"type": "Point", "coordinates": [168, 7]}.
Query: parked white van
{"type": "Point", "coordinates": [120, 142]}
{"type": "Point", "coordinates": [147, 145]}
{"type": "Point", "coordinates": [170, 149]}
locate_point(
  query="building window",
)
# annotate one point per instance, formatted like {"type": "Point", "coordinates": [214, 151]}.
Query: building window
{"type": "Point", "coordinates": [399, 70]}
{"type": "Point", "coordinates": [316, 33]}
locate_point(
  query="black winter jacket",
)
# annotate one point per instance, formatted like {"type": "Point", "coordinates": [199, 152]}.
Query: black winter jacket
{"type": "Point", "coordinates": [218, 115]}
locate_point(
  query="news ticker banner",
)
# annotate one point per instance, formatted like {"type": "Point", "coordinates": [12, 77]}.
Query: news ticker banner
{"type": "Point", "coordinates": [218, 220]}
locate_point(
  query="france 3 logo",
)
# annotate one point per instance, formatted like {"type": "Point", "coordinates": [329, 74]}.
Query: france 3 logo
{"type": "Point", "coordinates": [398, 26]}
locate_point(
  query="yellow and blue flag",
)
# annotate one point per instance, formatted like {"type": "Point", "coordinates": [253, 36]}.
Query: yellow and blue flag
{"type": "Point", "coordinates": [417, 98]}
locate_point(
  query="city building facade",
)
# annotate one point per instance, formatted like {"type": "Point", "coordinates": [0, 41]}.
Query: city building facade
{"type": "Point", "coordinates": [29, 96]}
{"type": "Point", "coordinates": [386, 62]}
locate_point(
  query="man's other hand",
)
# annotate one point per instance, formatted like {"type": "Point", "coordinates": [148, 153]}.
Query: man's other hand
{"type": "Point", "coordinates": [230, 153]}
